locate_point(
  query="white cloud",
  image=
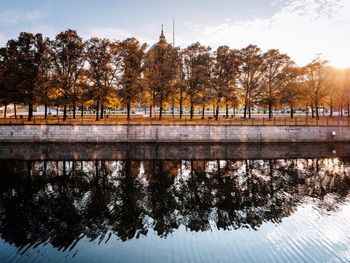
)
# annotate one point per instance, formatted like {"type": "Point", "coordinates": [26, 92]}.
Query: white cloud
{"type": "Point", "coordinates": [13, 22]}
{"type": "Point", "coordinates": [302, 28]}
{"type": "Point", "coordinates": [107, 32]}
{"type": "Point", "coordinates": [3, 39]}
{"type": "Point", "coordinates": [14, 17]}
{"type": "Point", "coordinates": [112, 33]}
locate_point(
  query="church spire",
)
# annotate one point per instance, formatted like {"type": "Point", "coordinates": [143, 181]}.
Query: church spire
{"type": "Point", "coordinates": [162, 37]}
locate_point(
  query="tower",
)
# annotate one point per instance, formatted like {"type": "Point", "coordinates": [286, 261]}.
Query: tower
{"type": "Point", "coordinates": [162, 37]}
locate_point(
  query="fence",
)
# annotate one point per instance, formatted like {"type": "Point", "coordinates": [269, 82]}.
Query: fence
{"type": "Point", "coordinates": [167, 120]}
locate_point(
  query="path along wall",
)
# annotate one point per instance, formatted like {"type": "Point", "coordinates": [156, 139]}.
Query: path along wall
{"type": "Point", "coordinates": [172, 133]}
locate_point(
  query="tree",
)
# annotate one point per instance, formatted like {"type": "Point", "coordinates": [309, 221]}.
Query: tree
{"type": "Point", "coordinates": [43, 85]}
{"type": "Point", "coordinates": [197, 75]}
{"type": "Point", "coordinates": [131, 58]}
{"type": "Point", "coordinates": [337, 94]}
{"type": "Point", "coordinates": [68, 56]}
{"type": "Point", "coordinates": [251, 68]}
{"type": "Point", "coordinates": [6, 77]}
{"type": "Point", "coordinates": [104, 63]}
{"type": "Point", "coordinates": [21, 61]}
{"type": "Point", "coordinates": [160, 72]}
{"type": "Point", "coordinates": [317, 75]}
{"type": "Point", "coordinates": [346, 83]}
{"type": "Point", "coordinates": [226, 72]}
{"type": "Point", "coordinates": [181, 83]}
{"type": "Point", "coordinates": [274, 77]}
{"type": "Point", "coordinates": [292, 92]}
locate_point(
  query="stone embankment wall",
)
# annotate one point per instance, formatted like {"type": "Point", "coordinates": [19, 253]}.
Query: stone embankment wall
{"type": "Point", "coordinates": [172, 133]}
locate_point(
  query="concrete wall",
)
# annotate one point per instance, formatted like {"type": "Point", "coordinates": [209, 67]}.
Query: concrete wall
{"type": "Point", "coordinates": [171, 133]}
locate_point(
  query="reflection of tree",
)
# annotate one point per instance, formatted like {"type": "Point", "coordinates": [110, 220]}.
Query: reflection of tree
{"type": "Point", "coordinates": [61, 202]}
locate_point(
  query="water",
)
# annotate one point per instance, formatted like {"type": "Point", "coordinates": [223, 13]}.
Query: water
{"type": "Point", "coordinates": [207, 203]}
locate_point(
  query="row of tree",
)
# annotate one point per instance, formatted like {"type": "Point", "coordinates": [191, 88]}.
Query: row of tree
{"type": "Point", "coordinates": [70, 74]}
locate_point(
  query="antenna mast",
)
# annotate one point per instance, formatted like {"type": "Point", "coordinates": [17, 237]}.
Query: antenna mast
{"type": "Point", "coordinates": [173, 32]}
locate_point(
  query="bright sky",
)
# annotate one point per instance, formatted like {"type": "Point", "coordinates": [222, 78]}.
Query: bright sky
{"type": "Point", "coordinates": [301, 28]}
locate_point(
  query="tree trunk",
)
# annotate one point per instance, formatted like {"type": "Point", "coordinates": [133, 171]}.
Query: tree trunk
{"type": "Point", "coordinates": [15, 110]}
{"type": "Point", "coordinates": [181, 103]}
{"type": "Point", "coordinates": [291, 111]}
{"type": "Point", "coordinates": [45, 111]}
{"type": "Point", "coordinates": [270, 110]}
{"type": "Point", "coordinates": [153, 105]}
{"type": "Point", "coordinates": [30, 111]}
{"type": "Point", "coordinates": [331, 109]}
{"type": "Point", "coordinates": [102, 111]}
{"type": "Point", "coordinates": [64, 112]}
{"type": "Point", "coordinates": [312, 111]}
{"type": "Point", "coordinates": [97, 109]}
{"type": "Point", "coordinates": [74, 106]}
{"type": "Point", "coordinates": [341, 110]}
{"type": "Point", "coordinates": [234, 110]}
{"type": "Point", "coordinates": [160, 109]}
{"type": "Point", "coordinates": [203, 110]}
{"type": "Point", "coordinates": [249, 112]}
{"type": "Point", "coordinates": [226, 110]}
{"type": "Point", "coordinates": [173, 109]}
{"type": "Point", "coordinates": [150, 110]}
{"type": "Point", "coordinates": [5, 111]}
{"type": "Point", "coordinates": [128, 111]}
{"type": "Point", "coordinates": [217, 112]}
{"type": "Point", "coordinates": [316, 106]}
{"type": "Point", "coordinates": [191, 111]}
{"type": "Point", "coordinates": [245, 111]}
{"type": "Point", "coordinates": [82, 110]}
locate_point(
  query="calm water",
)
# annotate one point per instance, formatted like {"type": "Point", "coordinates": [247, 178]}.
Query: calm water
{"type": "Point", "coordinates": [174, 210]}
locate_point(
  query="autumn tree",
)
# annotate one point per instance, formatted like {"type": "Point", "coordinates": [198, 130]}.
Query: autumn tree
{"type": "Point", "coordinates": [225, 76]}
{"type": "Point", "coordinates": [181, 83]}
{"type": "Point", "coordinates": [7, 94]}
{"type": "Point", "coordinates": [103, 66]}
{"type": "Point", "coordinates": [196, 60]}
{"type": "Point", "coordinates": [317, 74]}
{"type": "Point", "coordinates": [160, 72]}
{"type": "Point", "coordinates": [131, 54]}
{"type": "Point", "coordinates": [68, 56]}
{"type": "Point", "coordinates": [21, 60]}
{"type": "Point", "coordinates": [346, 88]}
{"type": "Point", "coordinates": [337, 95]}
{"type": "Point", "coordinates": [274, 77]}
{"type": "Point", "coordinates": [292, 92]}
{"type": "Point", "coordinates": [251, 70]}
{"type": "Point", "coordinates": [44, 81]}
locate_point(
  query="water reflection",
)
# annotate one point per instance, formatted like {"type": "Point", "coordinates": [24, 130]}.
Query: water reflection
{"type": "Point", "coordinates": [61, 202]}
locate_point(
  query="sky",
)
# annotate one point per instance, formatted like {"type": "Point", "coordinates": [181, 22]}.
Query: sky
{"type": "Point", "coordinates": [303, 29]}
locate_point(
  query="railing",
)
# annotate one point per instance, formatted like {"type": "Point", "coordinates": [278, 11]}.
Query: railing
{"type": "Point", "coordinates": [167, 120]}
